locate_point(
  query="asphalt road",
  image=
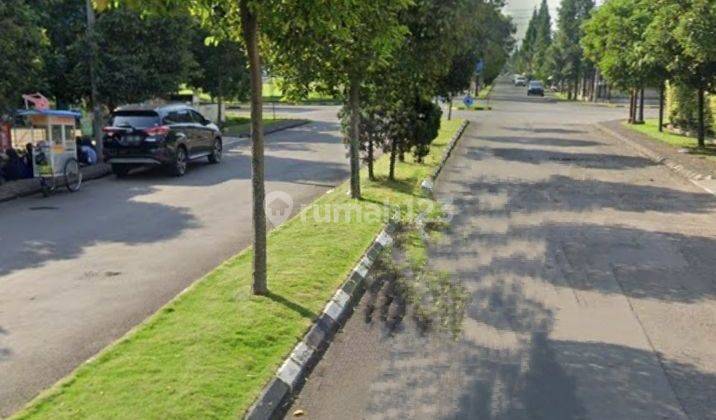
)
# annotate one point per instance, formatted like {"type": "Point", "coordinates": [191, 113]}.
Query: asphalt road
{"type": "Point", "coordinates": [590, 280]}
{"type": "Point", "coordinates": [77, 271]}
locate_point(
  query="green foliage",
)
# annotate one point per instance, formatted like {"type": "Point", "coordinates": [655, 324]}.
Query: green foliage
{"type": "Point", "coordinates": [130, 71]}
{"type": "Point", "coordinates": [65, 25]}
{"type": "Point", "coordinates": [571, 15]}
{"type": "Point", "coordinates": [682, 108]}
{"type": "Point", "coordinates": [22, 45]}
{"type": "Point", "coordinates": [222, 67]}
{"type": "Point", "coordinates": [533, 55]}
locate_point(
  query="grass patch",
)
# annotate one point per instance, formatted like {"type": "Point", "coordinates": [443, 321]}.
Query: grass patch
{"type": "Point", "coordinates": [474, 108]}
{"type": "Point", "coordinates": [485, 92]}
{"type": "Point", "coordinates": [209, 352]}
{"type": "Point", "coordinates": [651, 129]}
{"type": "Point", "coordinates": [235, 125]}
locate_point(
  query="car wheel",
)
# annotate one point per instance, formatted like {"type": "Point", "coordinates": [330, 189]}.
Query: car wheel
{"type": "Point", "coordinates": [120, 170]}
{"type": "Point", "coordinates": [178, 168]}
{"type": "Point", "coordinates": [215, 156]}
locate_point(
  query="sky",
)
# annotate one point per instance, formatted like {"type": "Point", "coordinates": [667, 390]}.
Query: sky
{"type": "Point", "coordinates": [521, 12]}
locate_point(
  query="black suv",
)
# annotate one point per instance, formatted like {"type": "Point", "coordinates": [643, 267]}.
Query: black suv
{"type": "Point", "coordinates": [169, 135]}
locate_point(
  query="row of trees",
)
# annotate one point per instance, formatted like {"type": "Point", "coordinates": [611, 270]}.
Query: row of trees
{"type": "Point", "coordinates": [632, 45]}
{"type": "Point", "coordinates": [557, 55]}
{"type": "Point", "coordinates": [47, 48]}
{"type": "Point", "coordinates": [640, 43]}
{"type": "Point", "coordinates": [385, 58]}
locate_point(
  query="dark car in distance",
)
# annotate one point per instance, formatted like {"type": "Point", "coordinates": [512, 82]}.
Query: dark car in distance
{"type": "Point", "coordinates": [167, 135]}
{"type": "Point", "coordinates": [535, 88]}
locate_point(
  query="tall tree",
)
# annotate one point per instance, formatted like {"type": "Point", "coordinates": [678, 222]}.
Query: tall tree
{"type": "Point", "coordinates": [222, 68]}
{"type": "Point", "coordinates": [337, 47]}
{"type": "Point", "coordinates": [570, 16]}
{"type": "Point", "coordinates": [134, 71]}
{"type": "Point", "coordinates": [23, 42]}
{"type": "Point", "coordinates": [543, 41]}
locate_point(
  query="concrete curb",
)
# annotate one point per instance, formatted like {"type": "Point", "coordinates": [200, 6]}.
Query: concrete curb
{"type": "Point", "coordinates": [429, 184]}
{"type": "Point", "coordinates": [655, 157]}
{"type": "Point", "coordinates": [295, 368]}
{"type": "Point", "coordinates": [24, 187]}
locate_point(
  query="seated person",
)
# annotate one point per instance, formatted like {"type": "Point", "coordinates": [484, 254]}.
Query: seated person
{"type": "Point", "coordinates": [16, 167]}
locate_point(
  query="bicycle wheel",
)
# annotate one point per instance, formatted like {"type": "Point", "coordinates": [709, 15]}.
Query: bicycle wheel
{"type": "Point", "coordinates": [73, 176]}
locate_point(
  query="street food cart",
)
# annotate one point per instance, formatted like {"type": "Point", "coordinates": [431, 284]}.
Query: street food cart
{"type": "Point", "coordinates": [52, 134]}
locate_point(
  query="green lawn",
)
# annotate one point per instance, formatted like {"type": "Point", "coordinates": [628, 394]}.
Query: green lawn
{"type": "Point", "coordinates": [237, 125]}
{"type": "Point", "coordinates": [272, 93]}
{"type": "Point", "coordinates": [651, 129]}
{"type": "Point", "coordinates": [209, 352]}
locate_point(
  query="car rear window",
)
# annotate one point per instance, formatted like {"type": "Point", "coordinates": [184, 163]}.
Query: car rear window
{"type": "Point", "coordinates": [135, 119]}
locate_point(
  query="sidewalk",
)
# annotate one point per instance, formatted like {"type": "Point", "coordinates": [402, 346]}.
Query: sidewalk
{"type": "Point", "coordinates": [15, 189]}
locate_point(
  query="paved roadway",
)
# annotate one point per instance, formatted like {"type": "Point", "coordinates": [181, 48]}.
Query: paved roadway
{"type": "Point", "coordinates": [78, 271]}
{"type": "Point", "coordinates": [590, 274]}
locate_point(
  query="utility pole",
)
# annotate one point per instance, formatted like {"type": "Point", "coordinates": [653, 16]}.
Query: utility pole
{"type": "Point", "coordinates": [96, 110]}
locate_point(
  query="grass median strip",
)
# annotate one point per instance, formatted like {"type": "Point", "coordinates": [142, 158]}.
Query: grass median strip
{"type": "Point", "coordinates": [238, 125]}
{"type": "Point", "coordinates": [210, 351]}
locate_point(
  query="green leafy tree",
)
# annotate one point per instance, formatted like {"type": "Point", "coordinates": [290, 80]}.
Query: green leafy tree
{"type": "Point", "coordinates": [23, 44]}
{"type": "Point", "coordinates": [543, 41]}
{"type": "Point", "coordinates": [571, 15]}
{"type": "Point", "coordinates": [682, 34]}
{"type": "Point", "coordinates": [222, 68]}
{"type": "Point", "coordinates": [64, 23]}
{"type": "Point", "coordinates": [614, 40]}
{"type": "Point", "coordinates": [130, 71]}
{"type": "Point", "coordinates": [337, 47]}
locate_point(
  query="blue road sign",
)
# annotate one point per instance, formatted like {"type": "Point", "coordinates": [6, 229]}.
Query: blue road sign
{"type": "Point", "coordinates": [468, 101]}
{"type": "Point", "coordinates": [480, 66]}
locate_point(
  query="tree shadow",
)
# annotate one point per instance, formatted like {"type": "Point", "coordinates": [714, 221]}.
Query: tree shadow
{"type": "Point", "coordinates": [541, 141]}
{"type": "Point", "coordinates": [583, 160]}
{"type": "Point", "coordinates": [4, 351]}
{"type": "Point", "coordinates": [563, 193]}
{"type": "Point", "coordinates": [301, 310]}
{"type": "Point", "coordinates": [551, 130]}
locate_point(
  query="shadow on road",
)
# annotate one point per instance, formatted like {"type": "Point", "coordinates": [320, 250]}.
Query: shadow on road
{"type": "Point", "coordinates": [584, 160]}
{"type": "Point", "coordinates": [541, 141]}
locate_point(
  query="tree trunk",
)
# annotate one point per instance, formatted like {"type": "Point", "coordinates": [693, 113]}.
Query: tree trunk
{"type": "Point", "coordinates": [393, 153]}
{"type": "Point", "coordinates": [661, 107]}
{"type": "Point", "coordinates": [450, 108]}
{"type": "Point", "coordinates": [632, 106]}
{"type": "Point", "coordinates": [250, 28]}
{"type": "Point", "coordinates": [702, 122]}
{"type": "Point", "coordinates": [371, 174]}
{"type": "Point", "coordinates": [220, 103]}
{"type": "Point", "coordinates": [641, 106]}
{"type": "Point", "coordinates": [94, 95]}
{"type": "Point", "coordinates": [355, 136]}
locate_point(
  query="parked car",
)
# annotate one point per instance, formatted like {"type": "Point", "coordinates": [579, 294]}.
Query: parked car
{"type": "Point", "coordinates": [520, 80]}
{"type": "Point", "coordinates": [168, 135]}
{"type": "Point", "coordinates": [535, 88]}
